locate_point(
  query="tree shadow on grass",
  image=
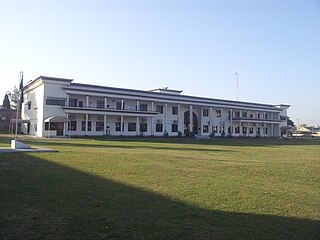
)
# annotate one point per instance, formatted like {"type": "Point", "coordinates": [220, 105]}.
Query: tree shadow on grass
{"type": "Point", "coordinates": [45, 200]}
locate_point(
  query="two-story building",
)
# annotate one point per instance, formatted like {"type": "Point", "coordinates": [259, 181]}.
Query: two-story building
{"type": "Point", "coordinates": [59, 107]}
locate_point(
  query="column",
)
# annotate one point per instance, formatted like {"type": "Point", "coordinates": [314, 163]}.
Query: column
{"type": "Point", "coordinates": [248, 131]}
{"type": "Point", "coordinates": [240, 128]}
{"type": "Point", "coordinates": [86, 128]}
{"type": "Point", "coordinates": [271, 130]}
{"type": "Point", "coordinates": [105, 103]}
{"type": "Point", "coordinates": [257, 126]}
{"type": "Point", "coordinates": [165, 117]}
{"type": "Point", "coordinates": [87, 101]}
{"type": "Point", "coordinates": [121, 126]}
{"type": "Point", "coordinates": [231, 123]}
{"type": "Point", "coordinates": [105, 124]}
{"type": "Point", "coordinates": [137, 127]}
{"type": "Point", "coordinates": [179, 119]}
{"type": "Point", "coordinates": [68, 99]}
{"type": "Point", "coordinates": [191, 119]}
{"type": "Point", "coordinates": [138, 105]}
{"type": "Point", "coordinates": [210, 120]}
{"type": "Point", "coordinates": [122, 104]}
{"type": "Point", "coordinates": [221, 121]}
{"type": "Point", "coordinates": [152, 119]}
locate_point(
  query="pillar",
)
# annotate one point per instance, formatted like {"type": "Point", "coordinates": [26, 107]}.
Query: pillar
{"type": "Point", "coordinates": [87, 118]}
{"type": "Point", "coordinates": [137, 126]}
{"type": "Point", "coordinates": [122, 104]}
{"type": "Point", "coordinates": [105, 103]}
{"type": "Point", "coordinates": [68, 99]}
{"type": "Point", "coordinates": [138, 105]}
{"type": "Point", "coordinates": [165, 116]}
{"type": "Point", "coordinates": [121, 126]}
{"type": "Point", "coordinates": [105, 123]}
{"type": "Point", "coordinates": [210, 120]}
{"type": "Point", "coordinates": [87, 101]}
{"type": "Point", "coordinates": [231, 123]}
{"type": "Point", "coordinates": [191, 119]}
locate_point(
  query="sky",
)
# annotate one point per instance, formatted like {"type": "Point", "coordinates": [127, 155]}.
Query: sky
{"type": "Point", "coordinates": [194, 46]}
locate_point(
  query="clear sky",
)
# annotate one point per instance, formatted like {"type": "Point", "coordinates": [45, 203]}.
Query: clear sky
{"type": "Point", "coordinates": [194, 46]}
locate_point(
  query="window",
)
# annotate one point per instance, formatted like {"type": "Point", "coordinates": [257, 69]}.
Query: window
{"type": "Point", "coordinates": [258, 116]}
{"type": "Point", "coordinates": [244, 114]}
{"type": "Point", "coordinates": [83, 126]}
{"type": "Point", "coordinates": [159, 127]}
{"type": "Point", "coordinates": [214, 129]}
{"type": "Point", "coordinates": [80, 103]}
{"type": "Point", "coordinates": [100, 104]}
{"type": "Point", "coordinates": [131, 127]}
{"type": "Point", "coordinates": [266, 116]}
{"type": "Point", "coordinates": [205, 129]}
{"type": "Point", "coordinates": [205, 112]}
{"type": "Point", "coordinates": [218, 113]}
{"type": "Point", "coordinates": [52, 126]}
{"type": "Point", "coordinates": [258, 131]}
{"type": "Point", "coordinates": [143, 127]}
{"type": "Point", "coordinates": [73, 126]}
{"type": "Point", "coordinates": [143, 107]}
{"type": "Point", "coordinates": [118, 126]}
{"type": "Point", "coordinates": [251, 130]}
{"type": "Point", "coordinates": [266, 130]}
{"type": "Point", "coordinates": [229, 130]}
{"type": "Point", "coordinates": [174, 127]}
{"type": "Point", "coordinates": [73, 102]}
{"type": "Point", "coordinates": [237, 129]}
{"type": "Point", "coordinates": [118, 105]}
{"type": "Point", "coordinates": [55, 101]}
{"type": "Point", "coordinates": [244, 130]}
{"type": "Point", "coordinates": [35, 127]}
{"type": "Point", "coordinates": [159, 108]}
{"type": "Point", "coordinates": [29, 105]}
{"type": "Point", "coordinates": [237, 114]}
{"type": "Point", "coordinates": [251, 115]}
{"type": "Point", "coordinates": [99, 126]}
{"type": "Point", "coordinates": [174, 110]}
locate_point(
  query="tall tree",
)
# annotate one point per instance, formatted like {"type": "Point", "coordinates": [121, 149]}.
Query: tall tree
{"type": "Point", "coordinates": [290, 122]}
{"type": "Point", "coordinates": [6, 102]}
{"type": "Point", "coordinates": [14, 97]}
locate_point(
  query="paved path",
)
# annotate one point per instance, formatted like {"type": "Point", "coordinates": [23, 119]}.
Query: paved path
{"type": "Point", "coordinates": [9, 150]}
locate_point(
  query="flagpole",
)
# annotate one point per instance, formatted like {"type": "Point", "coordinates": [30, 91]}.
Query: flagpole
{"type": "Point", "coordinates": [18, 105]}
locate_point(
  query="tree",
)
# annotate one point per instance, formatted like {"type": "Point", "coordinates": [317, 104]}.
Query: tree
{"type": "Point", "coordinates": [6, 102]}
{"type": "Point", "coordinates": [290, 123]}
{"type": "Point", "coordinates": [14, 97]}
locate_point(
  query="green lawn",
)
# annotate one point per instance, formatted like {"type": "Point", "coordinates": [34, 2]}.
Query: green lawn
{"type": "Point", "coordinates": [161, 189]}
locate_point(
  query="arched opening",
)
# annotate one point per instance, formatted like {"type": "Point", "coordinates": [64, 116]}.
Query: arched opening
{"type": "Point", "coordinates": [187, 123]}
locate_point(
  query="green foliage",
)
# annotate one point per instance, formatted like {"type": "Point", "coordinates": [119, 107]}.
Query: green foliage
{"type": "Point", "coordinates": [6, 102]}
{"type": "Point", "coordinates": [14, 97]}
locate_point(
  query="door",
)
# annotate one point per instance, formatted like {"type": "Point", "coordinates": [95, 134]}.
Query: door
{"type": "Point", "coordinates": [59, 129]}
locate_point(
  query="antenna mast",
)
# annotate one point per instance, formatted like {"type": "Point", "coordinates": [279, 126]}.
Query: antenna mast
{"type": "Point", "coordinates": [237, 79]}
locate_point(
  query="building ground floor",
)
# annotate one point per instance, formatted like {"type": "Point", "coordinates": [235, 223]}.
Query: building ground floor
{"type": "Point", "coordinates": [79, 124]}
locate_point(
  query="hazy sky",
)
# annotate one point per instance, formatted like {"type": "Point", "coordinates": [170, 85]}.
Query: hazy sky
{"type": "Point", "coordinates": [194, 46]}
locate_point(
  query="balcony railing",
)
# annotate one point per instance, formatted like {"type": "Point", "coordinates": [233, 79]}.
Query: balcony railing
{"type": "Point", "coordinates": [255, 119]}
{"type": "Point", "coordinates": [102, 108]}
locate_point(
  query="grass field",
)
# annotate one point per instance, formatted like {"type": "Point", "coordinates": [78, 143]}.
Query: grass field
{"type": "Point", "coordinates": [161, 189]}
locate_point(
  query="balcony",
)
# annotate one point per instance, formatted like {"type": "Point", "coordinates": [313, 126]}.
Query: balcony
{"type": "Point", "coordinates": [102, 110]}
{"type": "Point", "coordinates": [249, 119]}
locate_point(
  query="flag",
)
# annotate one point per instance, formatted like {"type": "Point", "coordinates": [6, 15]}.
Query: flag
{"type": "Point", "coordinates": [21, 88]}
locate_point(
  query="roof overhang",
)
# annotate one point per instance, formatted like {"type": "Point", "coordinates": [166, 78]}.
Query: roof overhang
{"type": "Point", "coordinates": [58, 119]}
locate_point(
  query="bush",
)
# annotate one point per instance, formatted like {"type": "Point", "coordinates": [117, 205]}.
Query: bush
{"type": "Point", "coordinates": [179, 134]}
{"type": "Point", "coordinates": [165, 134]}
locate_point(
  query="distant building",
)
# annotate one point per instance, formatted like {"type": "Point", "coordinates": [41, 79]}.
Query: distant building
{"type": "Point", "coordinates": [60, 107]}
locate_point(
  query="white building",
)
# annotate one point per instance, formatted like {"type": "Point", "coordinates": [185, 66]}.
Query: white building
{"type": "Point", "coordinates": [59, 107]}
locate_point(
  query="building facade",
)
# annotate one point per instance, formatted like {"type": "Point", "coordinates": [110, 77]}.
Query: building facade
{"type": "Point", "coordinates": [59, 107]}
